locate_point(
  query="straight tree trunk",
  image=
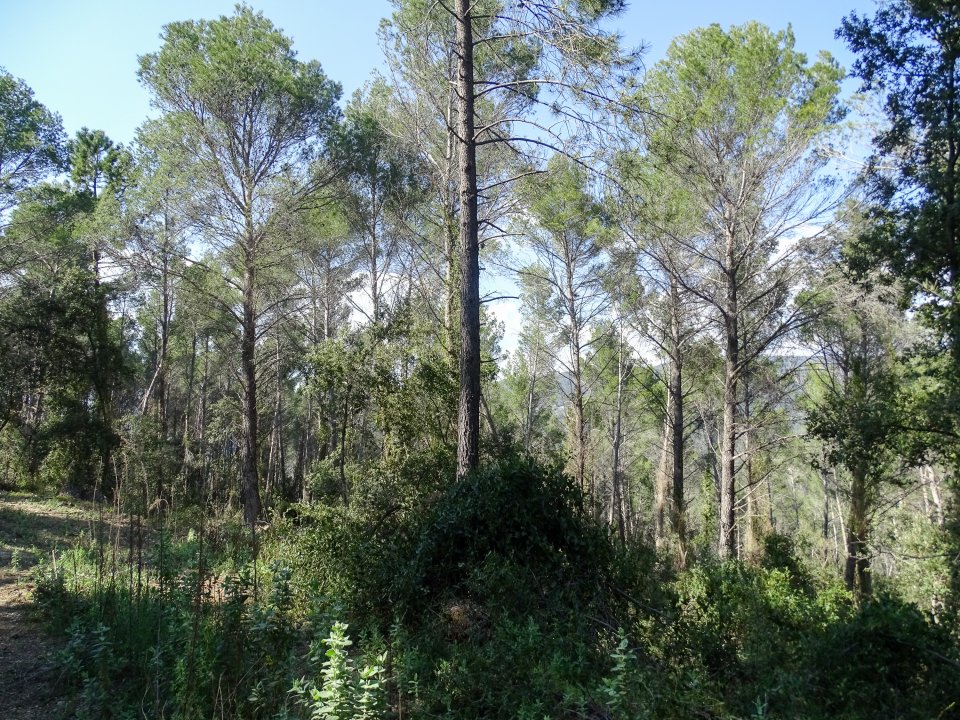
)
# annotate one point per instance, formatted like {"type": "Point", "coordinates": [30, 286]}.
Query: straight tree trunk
{"type": "Point", "coordinates": [577, 393]}
{"type": "Point", "coordinates": [676, 420]}
{"type": "Point", "coordinates": [825, 526]}
{"type": "Point", "coordinates": [727, 541]}
{"type": "Point", "coordinates": [188, 404]}
{"type": "Point", "coordinates": [751, 542]}
{"type": "Point", "coordinates": [579, 425]}
{"type": "Point", "coordinates": [450, 229]}
{"type": "Point", "coordinates": [616, 480]}
{"type": "Point", "coordinates": [157, 387]}
{"type": "Point", "coordinates": [857, 571]}
{"type": "Point", "coordinates": [468, 417]}
{"type": "Point", "coordinates": [531, 396]}
{"type": "Point", "coordinates": [661, 487]}
{"type": "Point", "coordinates": [201, 419]}
{"type": "Point", "coordinates": [248, 454]}
{"type": "Point", "coordinates": [276, 462]}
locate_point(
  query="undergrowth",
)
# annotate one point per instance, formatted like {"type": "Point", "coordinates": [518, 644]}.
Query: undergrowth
{"type": "Point", "coordinates": [497, 597]}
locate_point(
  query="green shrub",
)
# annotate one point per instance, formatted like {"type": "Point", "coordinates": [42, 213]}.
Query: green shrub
{"type": "Point", "coordinates": [498, 596]}
{"type": "Point", "coordinates": [343, 692]}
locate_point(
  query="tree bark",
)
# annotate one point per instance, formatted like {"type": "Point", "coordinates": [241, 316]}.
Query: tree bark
{"type": "Point", "coordinates": [727, 541]}
{"type": "Point", "coordinates": [857, 571]}
{"type": "Point", "coordinates": [616, 480]}
{"type": "Point", "coordinates": [468, 420]}
{"type": "Point", "coordinates": [676, 420]}
{"type": "Point", "coordinates": [577, 397]}
{"type": "Point", "coordinates": [661, 487]}
{"type": "Point", "coordinates": [248, 455]}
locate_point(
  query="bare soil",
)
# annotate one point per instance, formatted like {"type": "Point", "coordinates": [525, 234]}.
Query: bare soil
{"type": "Point", "coordinates": [32, 529]}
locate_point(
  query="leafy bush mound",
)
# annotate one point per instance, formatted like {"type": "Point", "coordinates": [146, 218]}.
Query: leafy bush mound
{"type": "Point", "coordinates": [494, 597]}
{"type": "Point", "coordinates": [504, 604]}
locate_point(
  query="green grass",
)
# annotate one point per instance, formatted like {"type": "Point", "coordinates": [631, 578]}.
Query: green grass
{"type": "Point", "coordinates": [32, 527]}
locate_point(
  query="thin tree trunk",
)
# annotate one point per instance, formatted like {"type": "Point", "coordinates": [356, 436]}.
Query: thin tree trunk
{"type": "Point", "coordinates": [579, 429]}
{"type": "Point", "coordinates": [857, 571]}
{"type": "Point", "coordinates": [936, 495]}
{"type": "Point", "coordinates": [577, 398]}
{"type": "Point", "coordinates": [489, 418]}
{"type": "Point", "coordinates": [825, 527]}
{"type": "Point", "coordinates": [468, 420]}
{"type": "Point", "coordinates": [616, 500]}
{"type": "Point", "coordinates": [750, 540]}
{"type": "Point", "coordinates": [676, 419]}
{"type": "Point", "coordinates": [248, 456]}
{"type": "Point", "coordinates": [839, 516]}
{"type": "Point", "coordinates": [661, 487]}
{"type": "Point", "coordinates": [531, 395]}
{"type": "Point", "coordinates": [342, 460]}
{"type": "Point", "coordinates": [727, 541]}
{"type": "Point", "coordinates": [158, 383]}
{"type": "Point", "coordinates": [188, 406]}
{"type": "Point", "coordinates": [450, 224]}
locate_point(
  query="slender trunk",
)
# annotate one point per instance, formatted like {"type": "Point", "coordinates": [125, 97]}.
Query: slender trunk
{"type": "Point", "coordinates": [616, 501]}
{"type": "Point", "coordinates": [188, 406]}
{"type": "Point", "coordinates": [306, 451]}
{"type": "Point", "coordinates": [825, 526]}
{"type": "Point", "coordinates": [374, 256]}
{"type": "Point", "coordinates": [579, 422]}
{"type": "Point", "coordinates": [165, 318]}
{"type": "Point", "coordinates": [577, 397]}
{"type": "Point", "coordinates": [248, 455]}
{"type": "Point", "coordinates": [468, 421]}
{"type": "Point", "coordinates": [450, 284]}
{"type": "Point", "coordinates": [276, 472]}
{"type": "Point", "coordinates": [342, 460]}
{"type": "Point", "coordinates": [750, 540]}
{"type": "Point", "coordinates": [158, 383]}
{"type": "Point", "coordinates": [489, 418]}
{"type": "Point", "coordinates": [839, 516]}
{"type": "Point", "coordinates": [201, 421]}
{"type": "Point", "coordinates": [936, 495]}
{"type": "Point", "coordinates": [857, 571]}
{"type": "Point", "coordinates": [450, 224]}
{"type": "Point", "coordinates": [678, 514]}
{"type": "Point", "coordinates": [661, 488]}
{"type": "Point", "coordinates": [531, 396]}
{"type": "Point", "coordinates": [727, 541]}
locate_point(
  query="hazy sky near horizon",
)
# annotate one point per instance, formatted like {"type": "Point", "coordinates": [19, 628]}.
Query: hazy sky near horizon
{"type": "Point", "coordinates": [80, 58]}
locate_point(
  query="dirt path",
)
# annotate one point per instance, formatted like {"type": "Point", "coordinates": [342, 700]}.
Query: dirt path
{"type": "Point", "coordinates": [31, 529]}
{"type": "Point", "coordinates": [28, 674]}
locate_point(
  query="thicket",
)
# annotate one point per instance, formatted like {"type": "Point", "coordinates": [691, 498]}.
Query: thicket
{"type": "Point", "coordinates": [499, 597]}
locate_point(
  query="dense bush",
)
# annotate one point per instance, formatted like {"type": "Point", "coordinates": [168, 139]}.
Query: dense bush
{"type": "Point", "coordinates": [494, 597]}
{"type": "Point", "coordinates": [493, 593]}
{"type": "Point", "coordinates": [769, 640]}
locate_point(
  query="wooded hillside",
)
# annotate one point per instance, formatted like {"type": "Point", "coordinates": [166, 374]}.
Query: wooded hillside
{"type": "Point", "coordinates": [713, 473]}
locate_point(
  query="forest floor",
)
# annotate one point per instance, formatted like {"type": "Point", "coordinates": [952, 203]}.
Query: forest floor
{"type": "Point", "coordinates": [32, 529]}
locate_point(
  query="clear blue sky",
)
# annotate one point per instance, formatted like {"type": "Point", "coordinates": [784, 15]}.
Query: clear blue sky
{"type": "Point", "coordinates": [80, 57]}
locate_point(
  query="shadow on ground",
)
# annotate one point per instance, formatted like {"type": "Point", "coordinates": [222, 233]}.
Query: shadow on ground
{"type": "Point", "coordinates": [29, 527]}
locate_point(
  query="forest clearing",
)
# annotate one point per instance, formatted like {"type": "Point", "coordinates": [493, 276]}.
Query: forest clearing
{"type": "Point", "coordinates": [539, 378]}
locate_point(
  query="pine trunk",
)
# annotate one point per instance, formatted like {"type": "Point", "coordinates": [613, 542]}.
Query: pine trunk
{"type": "Point", "coordinates": [468, 422]}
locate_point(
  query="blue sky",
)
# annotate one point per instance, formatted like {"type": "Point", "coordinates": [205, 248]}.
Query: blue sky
{"type": "Point", "coordinates": [80, 57]}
